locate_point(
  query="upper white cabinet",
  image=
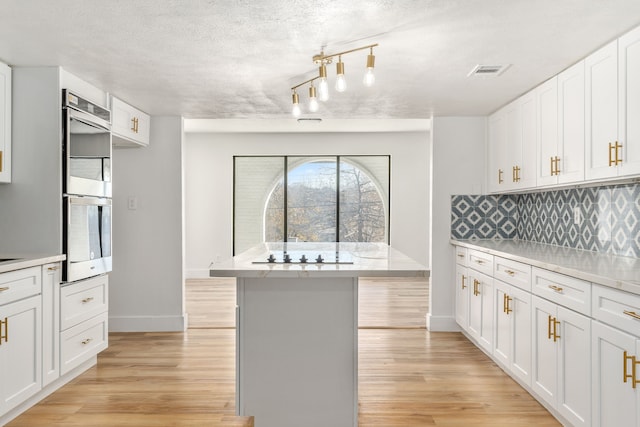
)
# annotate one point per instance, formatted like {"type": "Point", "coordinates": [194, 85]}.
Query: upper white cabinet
{"type": "Point", "coordinates": [512, 144]}
{"type": "Point", "coordinates": [613, 105]}
{"type": "Point", "coordinates": [130, 127]}
{"type": "Point", "coordinates": [629, 102]}
{"type": "Point", "coordinates": [5, 123]}
{"type": "Point", "coordinates": [561, 128]}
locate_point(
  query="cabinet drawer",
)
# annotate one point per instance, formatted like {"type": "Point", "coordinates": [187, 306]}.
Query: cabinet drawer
{"type": "Point", "coordinates": [564, 290]}
{"type": "Point", "coordinates": [19, 284]}
{"type": "Point", "coordinates": [617, 308]}
{"type": "Point", "coordinates": [512, 272]}
{"type": "Point", "coordinates": [481, 262]}
{"type": "Point", "coordinates": [83, 300]}
{"type": "Point", "coordinates": [461, 255]}
{"type": "Point", "coordinates": [81, 342]}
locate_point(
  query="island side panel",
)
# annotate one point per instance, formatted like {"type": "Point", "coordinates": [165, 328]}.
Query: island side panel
{"type": "Point", "coordinates": [297, 351]}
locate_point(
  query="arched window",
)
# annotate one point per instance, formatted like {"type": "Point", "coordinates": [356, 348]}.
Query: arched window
{"type": "Point", "coordinates": [318, 199]}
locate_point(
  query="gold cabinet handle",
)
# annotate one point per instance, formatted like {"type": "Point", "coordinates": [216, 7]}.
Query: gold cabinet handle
{"type": "Point", "coordinates": [617, 148]}
{"type": "Point", "coordinates": [4, 288]}
{"type": "Point", "coordinates": [460, 255]}
{"type": "Point", "coordinates": [510, 272]}
{"type": "Point", "coordinates": [515, 174]}
{"type": "Point", "coordinates": [558, 289]}
{"type": "Point", "coordinates": [549, 334]}
{"type": "Point", "coordinates": [611, 161]}
{"type": "Point", "coordinates": [632, 314]}
{"type": "Point", "coordinates": [134, 124]}
{"type": "Point", "coordinates": [86, 341]}
{"type": "Point", "coordinates": [556, 322]}
{"type": "Point", "coordinates": [479, 261]}
{"type": "Point", "coordinates": [87, 300]}
{"type": "Point", "coordinates": [53, 268]}
{"type": "Point", "coordinates": [463, 285]}
{"type": "Point", "coordinates": [557, 167]}
{"type": "Point", "coordinates": [500, 180]}
{"type": "Point", "coordinates": [0, 160]}
{"type": "Point", "coordinates": [634, 364]}
{"type": "Point", "coordinates": [507, 308]}
{"type": "Point", "coordinates": [4, 322]}
{"type": "Point", "coordinates": [476, 284]}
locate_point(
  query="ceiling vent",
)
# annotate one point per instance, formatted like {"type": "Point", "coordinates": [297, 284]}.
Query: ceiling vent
{"type": "Point", "coordinates": [488, 70]}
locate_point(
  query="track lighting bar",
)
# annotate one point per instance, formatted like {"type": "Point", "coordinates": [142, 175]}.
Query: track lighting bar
{"type": "Point", "coordinates": [322, 92]}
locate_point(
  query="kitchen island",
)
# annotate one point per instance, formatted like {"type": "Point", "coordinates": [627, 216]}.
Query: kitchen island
{"type": "Point", "coordinates": [297, 328]}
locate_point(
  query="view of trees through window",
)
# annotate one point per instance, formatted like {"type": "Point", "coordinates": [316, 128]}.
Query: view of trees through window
{"type": "Point", "coordinates": [323, 199]}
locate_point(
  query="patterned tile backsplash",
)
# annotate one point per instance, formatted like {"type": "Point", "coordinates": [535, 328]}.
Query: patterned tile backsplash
{"type": "Point", "coordinates": [602, 219]}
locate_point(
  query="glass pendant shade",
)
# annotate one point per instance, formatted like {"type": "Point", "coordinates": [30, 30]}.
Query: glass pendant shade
{"type": "Point", "coordinates": [369, 77]}
{"type": "Point", "coordinates": [313, 99]}
{"type": "Point", "coordinates": [296, 105]}
{"type": "Point", "coordinates": [323, 86]}
{"type": "Point", "coordinates": [341, 82]}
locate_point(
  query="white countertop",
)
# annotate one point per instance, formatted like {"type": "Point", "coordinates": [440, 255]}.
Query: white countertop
{"type": "Point", "coordinates": [363, 260]}
{"type": "Point", "coordinates": [604, 269]}
{"type": "Point", "coordinates": [20, 261]}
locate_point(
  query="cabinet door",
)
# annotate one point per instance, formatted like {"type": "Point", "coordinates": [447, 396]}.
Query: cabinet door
{"type": "Point", "coordinates": [571, 124]}
{"type": "Point", "coordinates": [614, 401]}
{"type": "Point", "coordinates": [601, 118]}
{"type": "Point", "coordinates": [544, 380]}
{"type": "Point", "coordinates": [481, 309]}
{"type": "Point", "coordinates": [5, 123]}
{"type": "Point", "coordinates": [50, 322]}
{"type": "Point", "coordinates": [462, 297]}
{"type": "Point", "coordinates": [574, 367]}
{"type": "Point", "coordinates": [520, 303]}
{"type": "Point", "coordinates": [513, 147]}
{"type": "Point", "coordinates": [527, 173]}
{"type": "Point", "coordinates": [20, 352]}
{"type": "Point", "coordinates": [130, 126]}
{"type": "Point", "coordinates": [497, 171]}
{"type": "Point", "coordinates": [503, 324]}
{"type": "Point", "coordinates": [547, 119]}
{"type": "Point", "coordinates": [629, 101]}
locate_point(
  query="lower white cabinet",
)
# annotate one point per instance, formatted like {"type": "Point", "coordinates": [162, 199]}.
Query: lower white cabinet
{"type": "Point", "coordinates": [50, 322]}
{"type": "Point", "coordinates": [462, 296]}
{"type": "Point", "coordinates": [561, 373]}
{"type": "Point", "coordinates": [20, 351]}
{"type": "Point", "coordinates": [616, 390]}
{"type": "Point", "coordinates": [481, 309]}
{"type": "Point", "coordinates": [512, 341]}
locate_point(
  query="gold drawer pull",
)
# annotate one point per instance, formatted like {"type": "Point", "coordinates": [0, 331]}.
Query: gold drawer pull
{"type": "Point", "coordinates": [556, 288]}
{"type": "Point", "coordinates": [476, 284]}
{"type": "Point", "coordinates": [6, 330]}
{"type": "Point", "coordinates": [86, 300]}
{"type": "Point", "coordinates": [5, 288]}
{"type": "Point", "coordinates": [86, 341]}
{"type": "Point", "coordinates": [479, 261]}
{"type": "Point", "coordinates": [53, 268]}
{"type": "Point", "coordinates": [632, 314]}
{"type": "Point", "coordinates": [460, 255]}
{"type": "Point", "coordinates": [510, 272]}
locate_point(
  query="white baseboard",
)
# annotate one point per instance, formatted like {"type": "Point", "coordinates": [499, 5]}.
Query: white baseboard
{"type": "Point", "coordinates": [148, 323]}
{"type": "Point", "coordinates": [442, 323]}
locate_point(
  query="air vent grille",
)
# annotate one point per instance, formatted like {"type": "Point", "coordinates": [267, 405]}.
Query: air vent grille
{"type": "Point", "coordinates": [488, 70]}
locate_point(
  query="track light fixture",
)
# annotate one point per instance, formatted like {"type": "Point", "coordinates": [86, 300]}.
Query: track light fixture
{"type": "Point", "coordinates": [322, 92]}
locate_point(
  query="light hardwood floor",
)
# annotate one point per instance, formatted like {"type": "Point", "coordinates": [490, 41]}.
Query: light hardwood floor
{"type": "Point", "coordinates": [407, 376]}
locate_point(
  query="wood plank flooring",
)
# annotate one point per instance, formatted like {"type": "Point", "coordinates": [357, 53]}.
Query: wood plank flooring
{"type": "Point", "coordinates": [407, 376]}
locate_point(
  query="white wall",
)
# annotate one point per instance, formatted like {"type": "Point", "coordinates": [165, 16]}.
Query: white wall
{"type": "Point", "coordinates": [209, 184]}
{"type": "Point", "coordinates": [147, 282]}
{"type": "Point", "coordinates": [458, 161]}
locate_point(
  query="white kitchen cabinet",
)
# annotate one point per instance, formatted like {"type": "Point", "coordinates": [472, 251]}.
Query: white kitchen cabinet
{"type": "Point", "coordinates": [526, 175]}
{"type": "Point", "coordinates": [20, 351]}
{"type": "Point", "coordinates": [512, 342]}
{"type": "Point", "coordinates": [50, 322]}
{"type": "Point", "coordinates": [601, 119]}
{"type": "Point", "coordinates": [481, 309]}
{"type": "Point", "coordinates": [561, 366]}
{"type": "Point", "coordinates": [615, 401]}
{"type": "Point", "coordinates": [615, 349]}
{"type": "Point", "coordinates": [629, 103]}
{"type": "Point", "coordinates": [560, 103]}
{"type": "Point", "coordinates": [130, 127]}
{"type": "Point", "coordinates": [5, 123]}
{"type": "Point", "coordinates": [497, 153]}
{"type": "Point", "coordinates": [462, 296]}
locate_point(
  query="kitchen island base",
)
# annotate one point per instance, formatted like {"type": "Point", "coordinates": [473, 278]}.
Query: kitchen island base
{"type": "Point", "coordinates": [297, 351]}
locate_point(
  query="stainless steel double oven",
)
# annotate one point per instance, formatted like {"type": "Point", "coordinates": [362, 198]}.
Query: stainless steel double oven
{"type": "Point", "coordinates": [86, 163]}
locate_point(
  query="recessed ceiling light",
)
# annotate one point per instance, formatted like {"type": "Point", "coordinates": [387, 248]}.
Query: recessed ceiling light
{"type": "Point", "coordinates": [310, 120]}
{"type": "Point", "coordinates": [488, 70]}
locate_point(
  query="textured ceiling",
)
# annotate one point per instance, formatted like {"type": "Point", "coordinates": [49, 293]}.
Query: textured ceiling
{"type": "Point", "coordinates": [238, 58]}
